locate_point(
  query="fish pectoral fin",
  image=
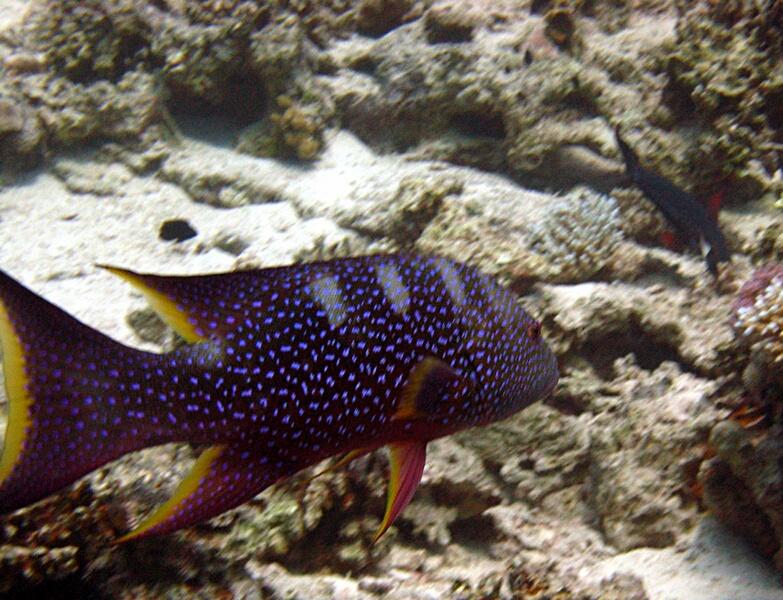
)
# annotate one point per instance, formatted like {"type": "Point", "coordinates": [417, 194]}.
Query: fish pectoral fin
{"type": "Point", "coordinates": [222, 478]}
{"type": "Point", "coordinates": [714, 203]}
{"type": "Point", "coordinates": [670, 241]}
{"type": "Point", "coordinates": [430, 386]}
{"type": "Point", "coordinates": [407, 466]}
{"type": "Point", "coordinates": [345, 459]}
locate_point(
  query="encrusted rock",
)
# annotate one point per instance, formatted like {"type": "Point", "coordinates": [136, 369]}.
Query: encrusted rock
{"type": "Point", "coordinates": [743, 484]}
{"type": "Point", "coordinates": [728, 76]}
{"type": "Point", "coordinates": [452, 22]}
{"type": "Point", "coordinates": [11, 117]}
{"type": "Point", "coordinates": [638, 480]}
{"type": "Point", "coordinates": [377, 17]}
{"type": "Point", "coordinates": [413, 206]}
{"type": "Point", "coordinates": [75, 112]}
{"type": "Point", "coordinates": [536, 453]}
{"type": "Point", "coordinates": [561, 27]}
{"type": "Point", "coordinates": [48, 541]}
{"type": "Point", "coordinates": [294, 130]}
{"type": "Point", "coordinates": [90, 178]}
{"type": "Point", "coordinates": [90, 40]}
{"type": "Point", "coordinates": [25, 62]}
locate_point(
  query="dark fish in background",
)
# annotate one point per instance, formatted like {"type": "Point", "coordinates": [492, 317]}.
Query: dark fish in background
{"type": "Point", "coordinates": [287, 367]}
{"type": "Point", "coordinates": [176, 230]}
{"type": "Point", "coordinates": [694, 224]}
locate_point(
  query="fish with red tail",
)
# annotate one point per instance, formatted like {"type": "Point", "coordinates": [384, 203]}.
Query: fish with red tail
{"type": "Point", "coordinates": [694, 223]}
{"type": "Point", "coordinates": [286, 367]}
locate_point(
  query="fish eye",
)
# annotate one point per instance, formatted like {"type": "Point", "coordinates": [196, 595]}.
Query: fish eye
{"type": "Point", "coordinates": [534, 330]}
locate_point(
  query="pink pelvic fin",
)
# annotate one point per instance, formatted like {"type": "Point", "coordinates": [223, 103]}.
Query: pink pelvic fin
{"type": "Point", "coordinates": [407, 466]}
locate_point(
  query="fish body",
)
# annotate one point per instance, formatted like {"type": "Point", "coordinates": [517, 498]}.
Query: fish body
{"type": "Point", "coordinates": [694, 224]}
{"type": "Point", "coordinates": [286, 367]}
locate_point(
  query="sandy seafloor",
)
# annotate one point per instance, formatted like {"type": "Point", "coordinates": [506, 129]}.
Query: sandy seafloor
{"type": "Point", "coordinates": [562, 495]}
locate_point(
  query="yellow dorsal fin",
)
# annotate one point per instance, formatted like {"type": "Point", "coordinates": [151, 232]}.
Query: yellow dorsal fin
{"type": "Point", "coordinates": [162, 304]}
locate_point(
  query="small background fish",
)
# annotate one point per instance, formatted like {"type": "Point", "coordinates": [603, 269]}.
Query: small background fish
{"type": "Point", "coordinates": [694, 224]}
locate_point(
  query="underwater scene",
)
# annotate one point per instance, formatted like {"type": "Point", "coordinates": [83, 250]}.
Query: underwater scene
{"type": "Point", "coordinates": [391, 299]}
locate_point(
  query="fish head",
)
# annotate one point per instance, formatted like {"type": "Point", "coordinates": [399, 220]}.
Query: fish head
{"type": "Point", "coordinates": [508, 361]}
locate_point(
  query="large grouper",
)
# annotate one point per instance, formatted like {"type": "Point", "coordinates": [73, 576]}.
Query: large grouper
{"type": "Point", "coordinates": [285, 367]}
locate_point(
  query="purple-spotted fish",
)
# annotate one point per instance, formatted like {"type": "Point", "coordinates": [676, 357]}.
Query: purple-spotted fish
{"type": "Point", "coordinates": [286, 367]}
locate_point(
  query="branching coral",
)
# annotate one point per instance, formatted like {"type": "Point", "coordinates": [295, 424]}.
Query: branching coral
{"type": "Point", "coordinates": [579, 234]}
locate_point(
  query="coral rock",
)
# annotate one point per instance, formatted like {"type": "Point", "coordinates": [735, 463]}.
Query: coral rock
{"type": "Point", "coordinates": [11, 118]}
{"type": "Point", "coordinates": [376, 18]}
{"type": "Point", "coordinates": [452, 22]}
{"type": "Point", "coordinates": [56, 538]}
{"type": "Point", "coordinates": [743, 485]}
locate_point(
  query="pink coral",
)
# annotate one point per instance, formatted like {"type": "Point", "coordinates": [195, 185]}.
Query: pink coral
{"type": "Point", "coordinates": [758, 311]}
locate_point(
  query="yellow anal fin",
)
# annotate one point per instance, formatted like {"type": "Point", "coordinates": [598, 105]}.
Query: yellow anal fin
{"type": "Point", "coordinates": [223, 477]}
{"type": "Point", "coordinates": [407, 467]}
{"type": "Point", "coordinates": [165, 306]}
{"type": "Point", "coordinates": [19, 400]}
{"type": "Point", "coordinates": [186, 489]}
{"type": "Point", "coordinates": [430, 385]}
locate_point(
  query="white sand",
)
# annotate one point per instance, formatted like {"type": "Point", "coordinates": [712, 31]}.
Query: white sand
{"type": "Point", "coordinates": [716, 565]}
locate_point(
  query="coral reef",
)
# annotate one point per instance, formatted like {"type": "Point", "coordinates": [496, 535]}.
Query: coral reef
{"type": "Point", "coordinates": [743, 482]}
{"type": "Point", "coordinates": [301, 130]}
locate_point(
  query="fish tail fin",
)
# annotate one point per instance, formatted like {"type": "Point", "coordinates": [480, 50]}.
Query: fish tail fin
{"type": "Point", "coordinates": [72, 399]}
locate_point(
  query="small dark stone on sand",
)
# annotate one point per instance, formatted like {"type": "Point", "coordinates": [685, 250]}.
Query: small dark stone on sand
{"type": "Point", "coordinates": [177, 230]}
